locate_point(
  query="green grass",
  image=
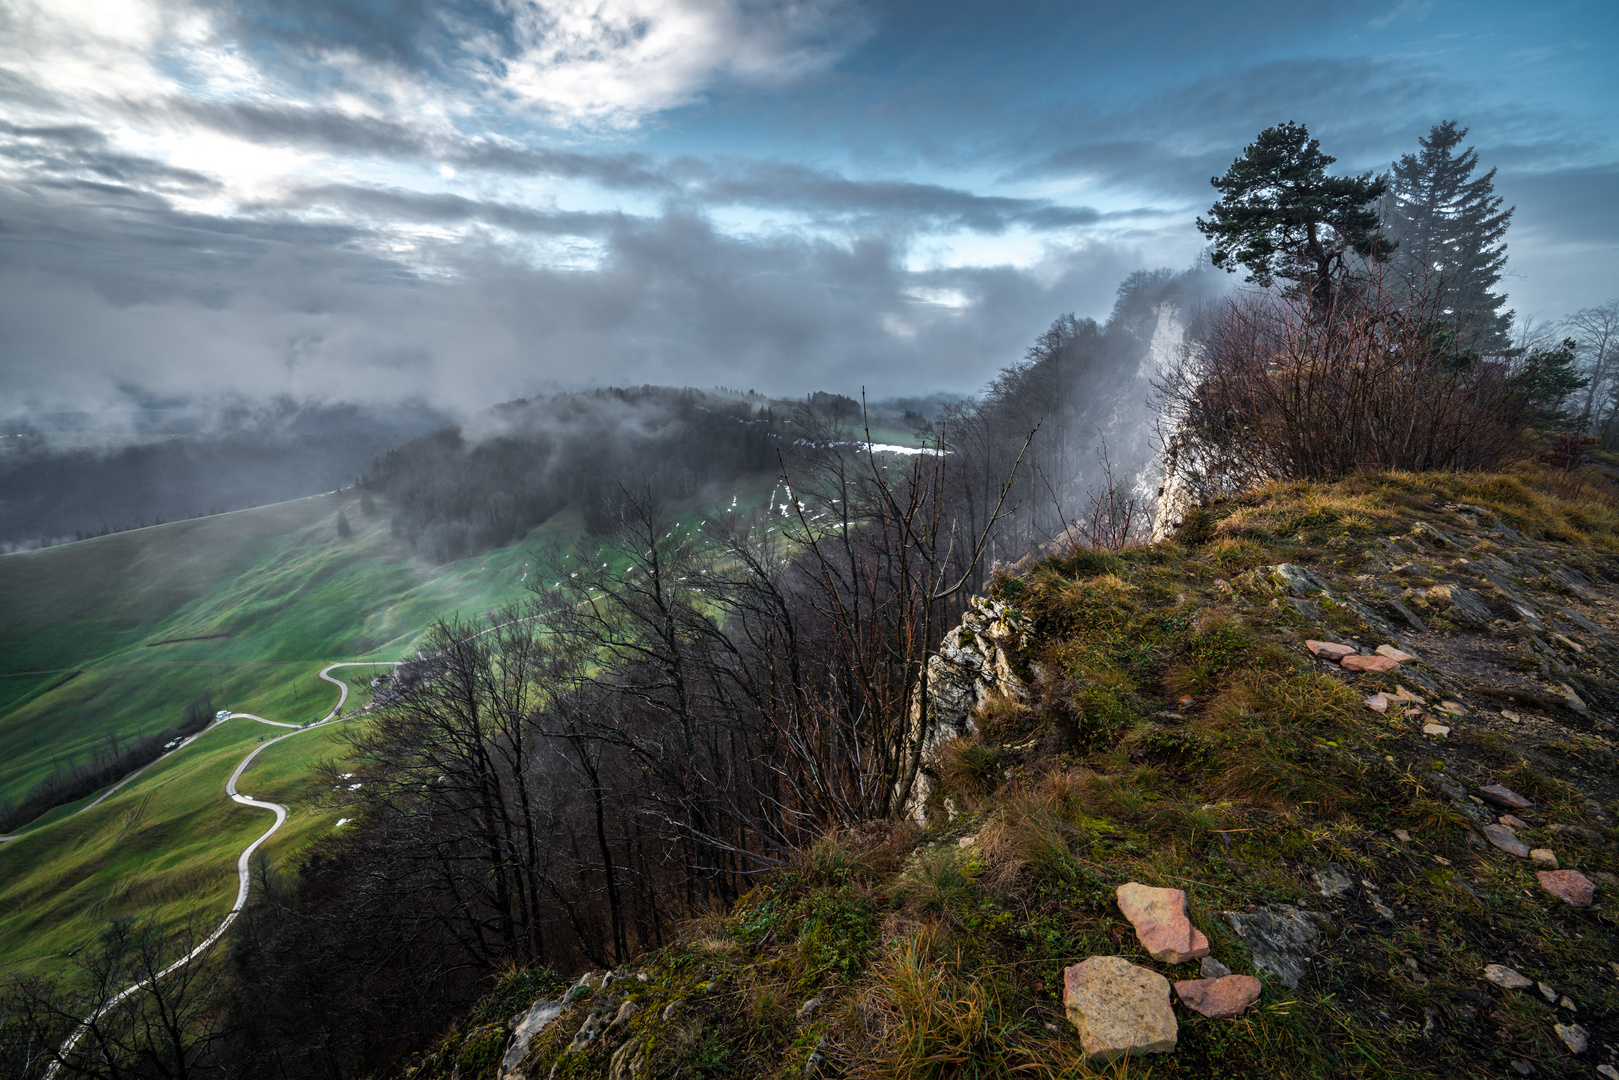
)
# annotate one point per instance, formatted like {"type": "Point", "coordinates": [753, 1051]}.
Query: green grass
{"type": "Point", "coordinates": [274, 595]}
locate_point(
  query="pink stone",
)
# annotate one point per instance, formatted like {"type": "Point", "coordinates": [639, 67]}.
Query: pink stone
{"type": "Point", "coordinates": [1229, 995]}
{"type": "Point", "coordinates": [1378, 703]}
{"type": "Point", "coordinates": [1369, 663]}
{"type": "Point", "coordinates": [1162, 924]}
{"type": "Point", "coordinates": [1330, 650]}
{"type": "Point", "coordinates": [1512, 822]}
{"type": "Point", "coordinates": [1570, 885]}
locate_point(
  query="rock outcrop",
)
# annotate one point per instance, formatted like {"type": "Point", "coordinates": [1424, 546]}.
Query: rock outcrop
{"type": "Point", "coordinates": [979, 659]}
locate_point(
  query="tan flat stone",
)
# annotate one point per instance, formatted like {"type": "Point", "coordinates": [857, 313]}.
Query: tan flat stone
{"type": "Point", "coordinates": [1119, 1008]}
{"type": "Point", "coordinates": [1399, 656]}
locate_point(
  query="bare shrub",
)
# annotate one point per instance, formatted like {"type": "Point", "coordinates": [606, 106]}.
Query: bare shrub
{"type": "Point", "coordinates": [1270, 389]}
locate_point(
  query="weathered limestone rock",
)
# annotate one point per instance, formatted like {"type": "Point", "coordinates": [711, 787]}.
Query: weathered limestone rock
{"type": "Point", "coordinates": [1545, 858]}
{"type": "Point", "coordinates": [976, 661]}
{"type": "Point", "coordinates": [1119, 1008]}
{"type": "Point", "coordinates": [1369, 663]}
{"type": "Point", "coordinates": [1332, 881]}
{"type": "Point", "coordinates": [1438, 731]}
{"type": "Point", "coordinates": [1299, 580]}
{"type": "Point", "coordinates": [627, 1062]}
{"type": "Point", "coordinates": [1162, 923]}
{"type": "Point", "coordinates": [1573, 1036]}
{"type": "Point", "coordinates": [1507, 840]}
{"type": "Point", "coordinates": [1282, 938]}
{"type": "Point", "coordinates": [1461, 605]}
{"type": "Point", "coordinates": [524, 1027]}
{"type": "Point", "coordinates": [596, 1021]}
{"type": "Point", "coordinates": [1506, 977]}
{"type": "Point", "coordinates": [1504, 796]}
{"type": "Point", "coordinates": [1399, 656]}
{"type": "Point", "coordinates": [1227, 996]}
{"type": "Point", "coordinates": [1569, 885]}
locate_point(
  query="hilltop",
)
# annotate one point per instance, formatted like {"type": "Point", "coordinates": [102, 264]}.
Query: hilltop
{"type": "Point", "coordinates": [1364, 842]}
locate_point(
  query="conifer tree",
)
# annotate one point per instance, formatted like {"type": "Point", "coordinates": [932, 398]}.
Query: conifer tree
{"type": "Point", "coordinates": [1281, 216]}
{"type": "Point", "coordinates": [1450, 228]}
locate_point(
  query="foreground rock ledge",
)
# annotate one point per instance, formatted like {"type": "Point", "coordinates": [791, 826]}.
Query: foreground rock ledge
{"type": "Point", "coordinates": [1119, 1008]}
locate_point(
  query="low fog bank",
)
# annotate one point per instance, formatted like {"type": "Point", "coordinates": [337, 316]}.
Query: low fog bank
{"type": "Point", "coordinates": [65, 476]}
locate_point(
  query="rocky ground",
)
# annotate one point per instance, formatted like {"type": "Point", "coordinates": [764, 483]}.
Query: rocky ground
{"type": "Point", "coordinates": [1325, 786]}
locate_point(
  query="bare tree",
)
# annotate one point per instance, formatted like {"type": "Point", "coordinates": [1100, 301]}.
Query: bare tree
{"type": "Point", "coordinates": [142, 1004]}
{"type": "Point", "coordinates": [1596, 329]}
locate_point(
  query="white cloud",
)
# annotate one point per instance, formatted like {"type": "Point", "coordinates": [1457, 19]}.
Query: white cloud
{"type": "Point", "coordinates": [613, 62]}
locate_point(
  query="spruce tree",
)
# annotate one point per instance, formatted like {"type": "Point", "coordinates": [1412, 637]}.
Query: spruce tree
{"type": "Point", "coordinates": [1449, 225]}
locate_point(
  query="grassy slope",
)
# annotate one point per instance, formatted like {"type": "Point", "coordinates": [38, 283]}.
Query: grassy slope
{"type": "Point", "coordinates": [292, 596]}
{"type": "Point", "coordinates": [1203, 749]}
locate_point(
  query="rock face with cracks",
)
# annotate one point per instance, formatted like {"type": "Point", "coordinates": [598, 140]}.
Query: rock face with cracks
{"type": "Point", "coordinates": [1162, 924]}
{"type": "Point", "coordinates": [976, 661]}
{"type": "Point", "coordinates": [1282, 939]}
{"type": "Point", "coordinates": [1119, 1008]}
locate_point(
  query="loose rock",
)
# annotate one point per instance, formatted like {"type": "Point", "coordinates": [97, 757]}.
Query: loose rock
{"type": "Point", "coordinates": [1506, 977]}
{"type": "Point", "coordinates": [1574, 1037]}
{"type": "Point", "coordinates": [1608, 1072]}
{"type": "Point", "coordinates": [1569, 885]}
{"type": "Point", "coordinates": [1162, 924]}
{"type": "Point", "coordinates": [1210, 968]}
{"type": "Point", "coordinates": [1544, 857]}
{"type": "Point", "coordinates": [1512, 821]}
{"type": "Point", "coordinates": [1399, 656]}
{"type": "Point", "coordinates": [1330, 650]}
{"type": "Point", "coordinates": [1504, 796]}
{"type": "Point", "coordinates": [1369, 663]}
{"type": "Point", "coordinates": [1229, 995]}
{"type": "Point", "coordinates": [1282, 939]}
{"type": "Point", "coordinates": [1332, 882]}
{"type": "Point", "coordinates": [525, 1027]}
{"type": "Point", "coordinates": [1119, 1008]}
{"type": "Point", "coordinates": [1436, 730]}
{"type": "Point", "coordinates": [1505, 839]}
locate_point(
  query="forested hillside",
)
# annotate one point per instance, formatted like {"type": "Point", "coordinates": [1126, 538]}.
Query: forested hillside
{"type": "Point", "coordinates": [480, 484]}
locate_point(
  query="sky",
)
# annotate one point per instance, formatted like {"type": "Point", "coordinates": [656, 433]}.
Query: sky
{"type": "Point", "coordinates": [463, 202]}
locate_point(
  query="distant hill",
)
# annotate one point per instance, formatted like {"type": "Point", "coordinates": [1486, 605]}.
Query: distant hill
{"type": "Point", "coordinates": [54, 487]}
{"type": "Point", "coordinates": [477, 485]}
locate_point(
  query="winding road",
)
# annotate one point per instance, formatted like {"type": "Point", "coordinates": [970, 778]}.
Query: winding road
{"type": "Point", "coordinates": [243, 875]}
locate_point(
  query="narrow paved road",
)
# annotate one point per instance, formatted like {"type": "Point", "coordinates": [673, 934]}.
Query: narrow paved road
{"type": "Point", "coordinates": [243, 876]}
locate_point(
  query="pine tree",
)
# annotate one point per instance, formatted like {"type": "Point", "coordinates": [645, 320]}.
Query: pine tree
{"type": "Point", "coordinates": [1281, 216]}
{"type": "Point", "coordinates": [1449, 225]}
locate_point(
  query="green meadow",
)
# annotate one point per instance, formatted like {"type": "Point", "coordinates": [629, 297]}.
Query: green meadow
{"type": "Point", "coordinates": [116, 636]}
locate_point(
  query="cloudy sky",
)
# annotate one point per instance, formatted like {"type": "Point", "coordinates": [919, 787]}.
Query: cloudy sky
{"type": "Point", "coordinates": [469, 200]}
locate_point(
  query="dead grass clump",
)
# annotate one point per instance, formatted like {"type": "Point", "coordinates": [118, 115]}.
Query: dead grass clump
{"type": "Point", "coordinates": [932, 1013]}
{"type": "Point", "coordinates": [970, 768]}
{"type": "Point", "coordinates": [939, 881]}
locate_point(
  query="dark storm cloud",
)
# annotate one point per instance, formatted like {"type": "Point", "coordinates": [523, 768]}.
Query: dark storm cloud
{"type": "Point", "coordinates": [196, 305]}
